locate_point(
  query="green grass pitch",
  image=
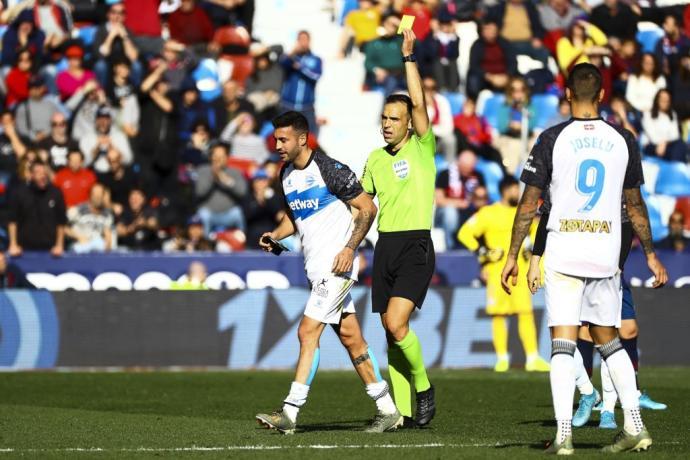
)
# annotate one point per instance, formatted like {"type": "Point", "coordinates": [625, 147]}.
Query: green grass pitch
{"type": "Point", "coordinates": [211, 415]}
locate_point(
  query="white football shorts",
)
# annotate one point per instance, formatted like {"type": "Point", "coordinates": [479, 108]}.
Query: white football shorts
{"type": "Point", "coordinates": [573, 300]}
{"type": "Point", "coordinates": [330, 298]}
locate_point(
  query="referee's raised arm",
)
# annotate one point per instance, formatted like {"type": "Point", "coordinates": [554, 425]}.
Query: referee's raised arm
{"type": "Point", "coordinates": [420, 117]}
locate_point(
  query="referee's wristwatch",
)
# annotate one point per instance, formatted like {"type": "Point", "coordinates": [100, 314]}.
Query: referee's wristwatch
{"type": "Point", "coordinates": [410, 58]}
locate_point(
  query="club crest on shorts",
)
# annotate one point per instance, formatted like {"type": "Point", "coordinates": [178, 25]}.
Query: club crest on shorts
{"type": "Point", "coordinates": [401, 169]}
{"type": "Point", "coordinates": [321, 288]}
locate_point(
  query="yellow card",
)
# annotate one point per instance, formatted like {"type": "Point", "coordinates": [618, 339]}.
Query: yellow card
{"type": "Point", "coordinates": [406, 23]}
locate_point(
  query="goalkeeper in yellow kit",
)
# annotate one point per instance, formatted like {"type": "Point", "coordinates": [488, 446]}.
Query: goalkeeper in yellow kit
{"type": "Point", "coordinates": [488, 234]}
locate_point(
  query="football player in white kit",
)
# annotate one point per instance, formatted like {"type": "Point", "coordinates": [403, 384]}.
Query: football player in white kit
{"type": "Point", "coordinates": [321, 194]}
{"type": "Point", "coordinates": [586, 165]}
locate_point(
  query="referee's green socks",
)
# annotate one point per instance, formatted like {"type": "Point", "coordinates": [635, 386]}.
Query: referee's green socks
{"type": "Point", "coordinates": [412, 350]}
{"type": "Point", "coordinates": [401, 378]}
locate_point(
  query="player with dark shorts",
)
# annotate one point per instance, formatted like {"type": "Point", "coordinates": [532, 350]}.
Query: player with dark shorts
{"type": "Point", "coordinates": [403, 174]}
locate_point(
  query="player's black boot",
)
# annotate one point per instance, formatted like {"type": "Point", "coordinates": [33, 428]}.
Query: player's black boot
{"type": "Point", "coordinates": [426, 406]}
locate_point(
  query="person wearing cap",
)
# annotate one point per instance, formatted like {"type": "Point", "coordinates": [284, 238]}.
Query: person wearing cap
{"type": "Point", "coordinates": [113, 43]}
{"type": "Point", "coordinates": [95, 146]}
{"type": "Point", "coordinates": [70, 80]}
{"type": "Point", "coordinates": [33, 115]}
{"type": "Point", "coordinates": [263, 208]}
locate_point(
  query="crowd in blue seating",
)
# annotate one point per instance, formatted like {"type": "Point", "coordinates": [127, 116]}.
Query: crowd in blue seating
{"type": "Point", "coordinates": [514, 88]}
{"type": "Point", "coordinates": [141, 124]}
{"type": "Point", "coordinates": [145, 124]}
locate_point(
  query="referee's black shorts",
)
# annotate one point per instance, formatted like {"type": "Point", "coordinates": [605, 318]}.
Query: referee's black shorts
{"type": "Point", "coordinates": [404, 263]}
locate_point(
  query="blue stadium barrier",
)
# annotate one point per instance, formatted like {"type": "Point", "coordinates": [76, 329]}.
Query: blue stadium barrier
{"type": "Point", "coordinates": [492, 176]}
{"type": "Point", "coordinates": [545, 108]}
{"type": "Point", "coordinates": [648, 39]}
{"type": "Point", "coordinates": [456, 100]}
{"type": "Point", "coordinates": [492, 108]}
{"type": "Point", "coordinates": [673, 179]}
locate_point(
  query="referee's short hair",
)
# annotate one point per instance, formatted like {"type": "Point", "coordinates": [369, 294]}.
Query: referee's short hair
{"type": "Point", "coordinates": [293, 119]}
{"type": "Point", "coordinates": [584, 82]}
{"type": "Point", "coordinates": [401, 98]}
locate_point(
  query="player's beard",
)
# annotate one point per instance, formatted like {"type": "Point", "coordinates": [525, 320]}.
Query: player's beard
{"type": "Point", "coordinates": [513, 202]}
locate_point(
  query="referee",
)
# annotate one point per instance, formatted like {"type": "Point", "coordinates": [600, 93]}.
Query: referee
{"type": "Point", "coordinates": [403, 175]}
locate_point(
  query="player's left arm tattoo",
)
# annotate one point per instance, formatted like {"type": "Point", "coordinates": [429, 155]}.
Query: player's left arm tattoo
{"type": "Point", "coordinates": [637, 211]}
{"type": "Point", "coordinates": [365, 212]}
{"type": "Point", "coordinates": [523, 218]}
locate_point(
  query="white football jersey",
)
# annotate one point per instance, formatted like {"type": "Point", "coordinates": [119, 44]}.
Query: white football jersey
{"type": "Point", "coordinates": [316, 198]}
{"type": "Point", "coordinates": [584, 165]}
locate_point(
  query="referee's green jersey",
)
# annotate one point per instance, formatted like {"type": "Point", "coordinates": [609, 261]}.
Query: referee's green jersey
{"type": "Point", "coordinates": [405, 184]}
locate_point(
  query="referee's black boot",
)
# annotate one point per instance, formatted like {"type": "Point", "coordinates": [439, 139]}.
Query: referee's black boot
{"type": "Point", "coordinates": [426, 406]}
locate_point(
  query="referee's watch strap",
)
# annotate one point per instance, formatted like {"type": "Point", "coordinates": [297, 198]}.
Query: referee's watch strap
{"type": "Point", "coordinates": [410, 58]}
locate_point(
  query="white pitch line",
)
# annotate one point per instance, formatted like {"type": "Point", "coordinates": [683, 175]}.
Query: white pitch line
{"type": "Point", "coordinates": [249, 447]}
{"type": "Point", "coordinates": [260, 447]}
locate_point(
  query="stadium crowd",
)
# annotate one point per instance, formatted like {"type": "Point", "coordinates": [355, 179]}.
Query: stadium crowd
{"type": "Point", "coordinates": [112, 138]}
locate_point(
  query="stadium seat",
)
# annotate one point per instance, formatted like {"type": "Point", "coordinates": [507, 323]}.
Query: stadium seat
{"type": "Point", "coordinates": [247, 167]}
{"type": "Point", "coordinates": [493, 174]}
{"type": "Point", "coordinates": [491, 109]}
{"type": "Point", "coordinates": [441, 163]}
{"type": "Point", "coordinates": [545, 108]}
{"type": "Point", "coordinates": [656, 221]}
{"type": "Point", "coordinates": [673, 179]}
{"type": "Point", "coordinates": [648, 36]}
{"type": "Point", "coordinates": [683, 206]}
{"type": "Point", "coordinates": [87, 34]}
{"type": "Point", "coordinates": [650, 169]}
{"type": "Point", "coordinates": [266, 129]}
{"type": "Point", "coordinates": [456, 100]}
{"type": "Point", "coordinates": [234, 37]}
{"type": "Point", "coordinates": [242, 66]}
{"type": "Point", "coordinates": [206, 78]}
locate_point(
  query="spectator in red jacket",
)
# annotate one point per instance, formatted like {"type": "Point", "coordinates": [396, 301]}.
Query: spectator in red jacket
{"type": "Point", "coordinates": [74, 180]}
{"type": "Point", "coordinates": [472, 132]}
{"type": "Point", "coordinates": [145, 25]}
{"type": "Point", "coordinates": [190, 25]}
{"type": "Point", "coordinates": [17, 80]}
{"type": "Point", "coordinates": [423, 16]}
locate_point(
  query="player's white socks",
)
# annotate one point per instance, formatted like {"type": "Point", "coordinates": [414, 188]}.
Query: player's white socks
{"type": "Point", "coordinates": [623, 376]}
{"type": "Point", "coordinates": [562, 376]}
{"type": "Point", "coordinates": [608, 391]}
{"type": "Point", "coordinates": [295, 399]}
{"type": "Point", "coordinates": [584, 385]}
{"type": "Point", "coordinates": [565, 429]}
{"type": "Point", "coordinates": [381, 395]}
